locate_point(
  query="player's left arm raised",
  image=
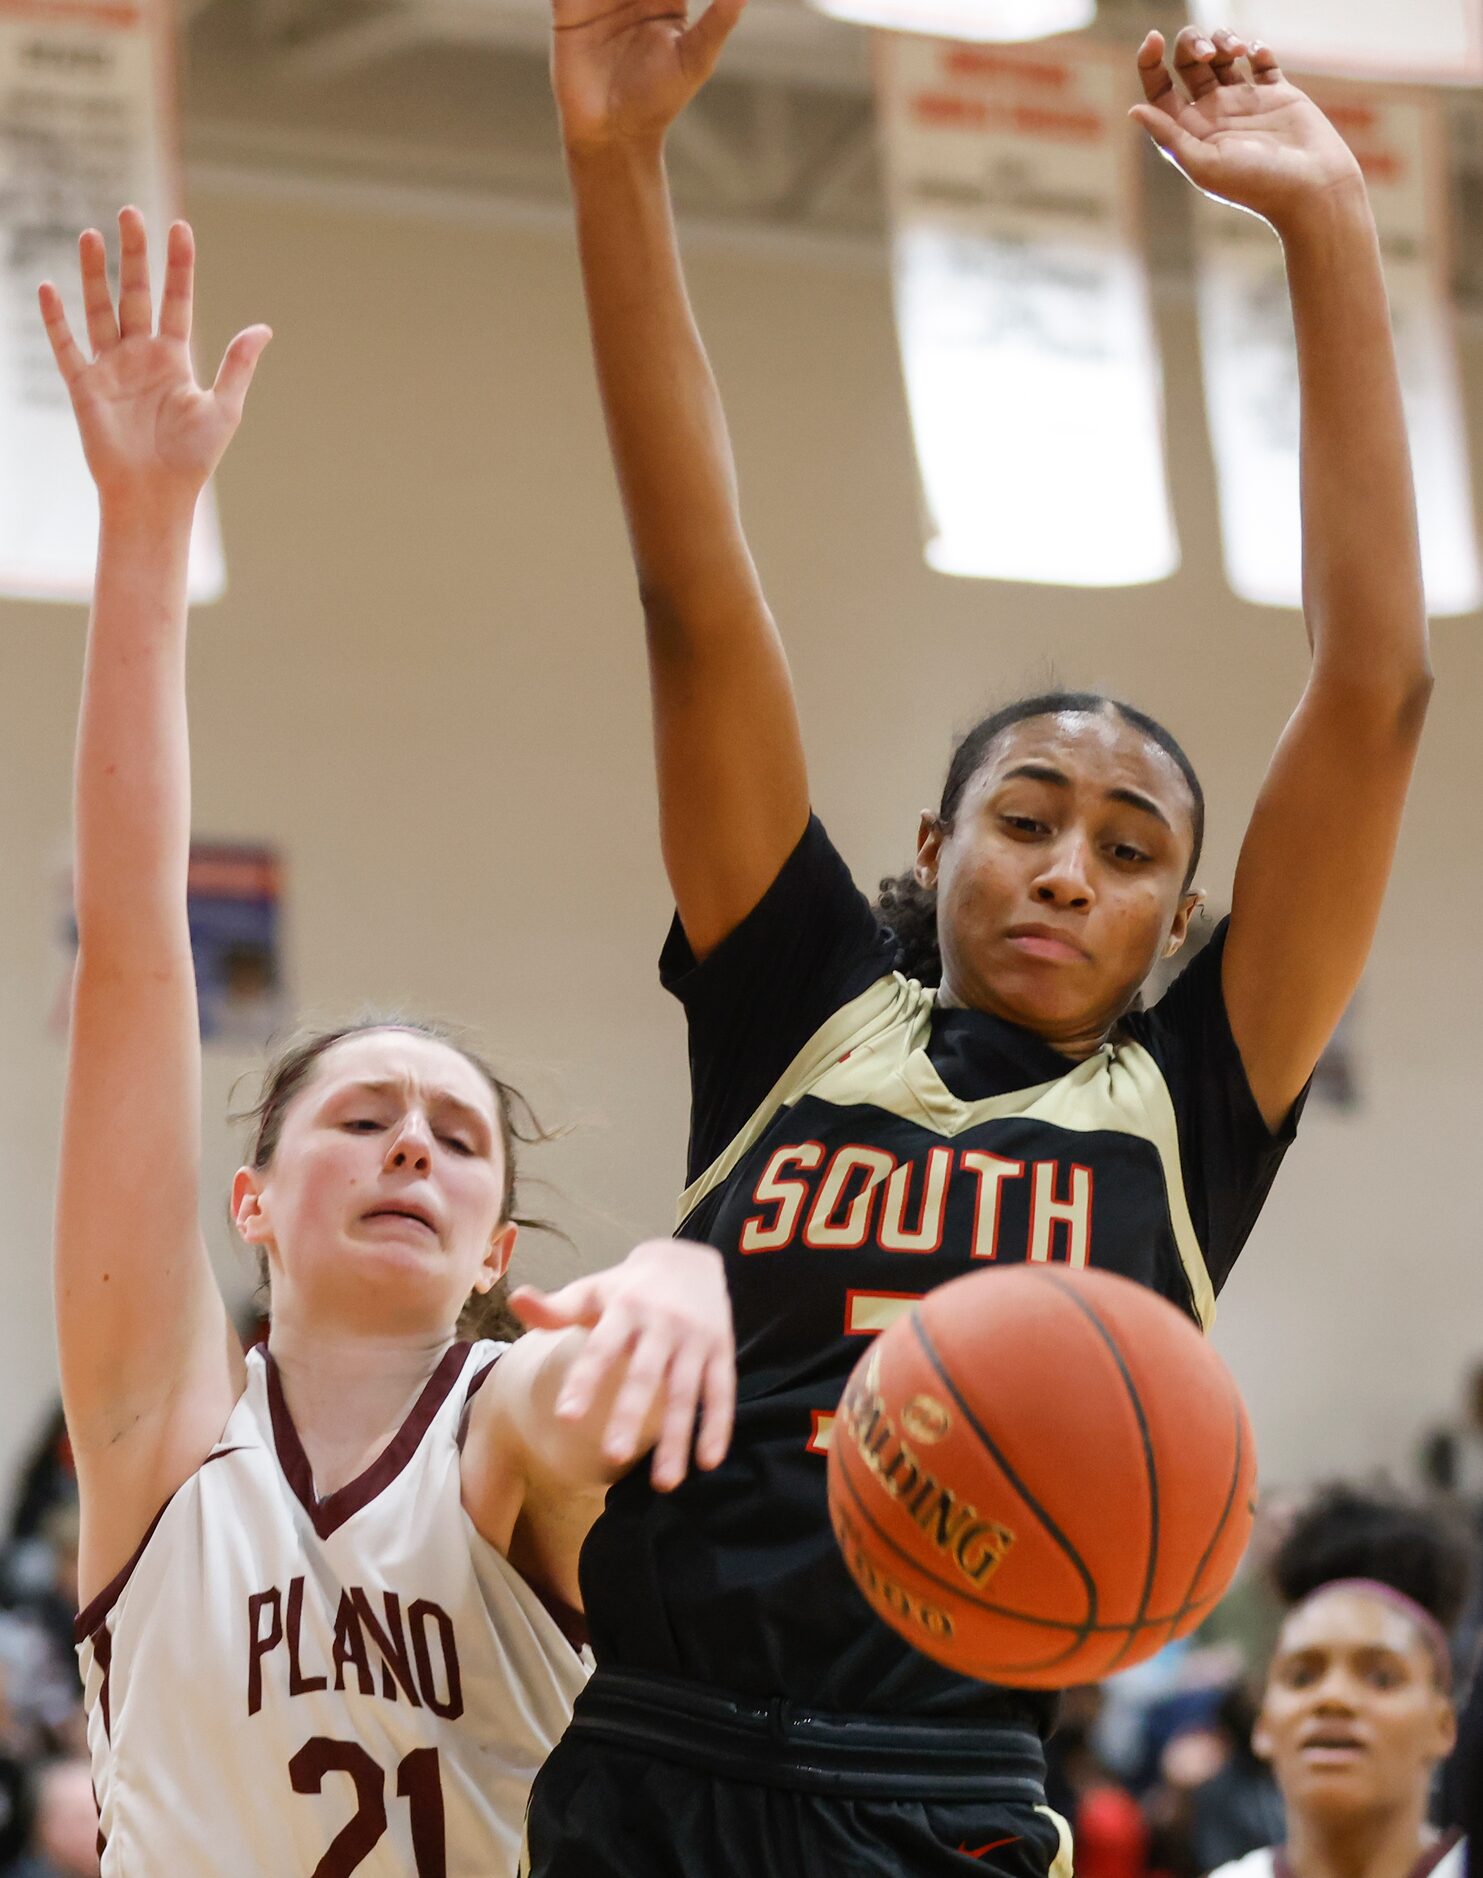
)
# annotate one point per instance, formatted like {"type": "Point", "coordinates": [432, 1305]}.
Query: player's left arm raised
{"type": "Point", "coordinates": [1318, 852]}
{"type": "Point", "coordinates": [614, 1365]}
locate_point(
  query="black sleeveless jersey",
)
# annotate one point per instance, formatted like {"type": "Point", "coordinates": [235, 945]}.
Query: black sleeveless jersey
{"type": "Point", "coordinates": [852, 1146]}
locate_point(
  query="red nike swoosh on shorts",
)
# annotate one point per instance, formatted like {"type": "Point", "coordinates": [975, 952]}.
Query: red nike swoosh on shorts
{"type": "Point", "coordinates": [992, 1846]}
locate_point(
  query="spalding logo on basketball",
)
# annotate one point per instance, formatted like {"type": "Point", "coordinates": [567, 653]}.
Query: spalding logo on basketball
{"type": "Point", "coordinates": [1040, 1476]}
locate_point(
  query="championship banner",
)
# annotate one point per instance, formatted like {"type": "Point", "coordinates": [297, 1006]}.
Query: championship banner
{"type": "Point", "coordinates": [1438, 42]}
{"type": "Point", "coordinates": [86, 125]}
{"type": "Point", "coordinates": [1022, 312]}
{"type": "Point", "coordinates": [967, 19]}
{"type": "Point", "coordinates": [1251, 370]}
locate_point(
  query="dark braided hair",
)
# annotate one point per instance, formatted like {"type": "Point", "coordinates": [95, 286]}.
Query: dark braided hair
{"type": "Point", "coordinates": [1346, 1531]}
{"type": "Point", "coordinates": [487, 1313]}
{"type": "Point", "coordinates": [910, 909]}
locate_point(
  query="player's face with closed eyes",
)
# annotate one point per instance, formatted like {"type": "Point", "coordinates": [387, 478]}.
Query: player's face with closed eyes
{"type": "Point", "coordinates": [1060, 882]}
{"type": "Point", "coordinates": [387, 1182]}
{"type": "Point", "coordinates": [1353, 1719]}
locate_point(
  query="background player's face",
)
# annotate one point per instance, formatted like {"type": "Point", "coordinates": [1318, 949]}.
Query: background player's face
{"type": "Point", "coordinates": [383, 1202]}
{"type": "Point", "coordinates": [1353, 1720]}
{"type": "Point", "coordinates": [1060, 882]}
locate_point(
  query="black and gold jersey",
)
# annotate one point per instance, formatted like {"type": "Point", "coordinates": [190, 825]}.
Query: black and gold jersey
{"type": "Point", "coordinates": [854, 1144]}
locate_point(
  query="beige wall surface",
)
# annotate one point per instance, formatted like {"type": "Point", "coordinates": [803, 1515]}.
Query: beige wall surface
{"type": "Point", "coordinates": [426, 686]}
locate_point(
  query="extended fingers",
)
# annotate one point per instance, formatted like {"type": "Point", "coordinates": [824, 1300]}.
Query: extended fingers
{"type": "Point", "coordinates": [630, 1410]}
{"type": "Point", "coordinates": [65, 349]}
{"type": "Point", "coordinates": [97, 301]}
{"type": "Point", "coordinates": [180, 284]}
{"type": "Point", "coordinates": [238, 364]}
{"type": "Point", "coordinates": [1154, 74]}
{"type": "Point", "coordinates": [606, 1346]}
{"type": "Point", "coordinates": [1194, 60]}
{"type": "Point", "coordinates": [576, 1303]}
{"type": "Point", "coordinates": [677, 1426]}
{"type": "Point", "coordinates": [719, 1410]}
{"type": "Point", "coordinates": [135, 307]}
{"type": "Point", "coordinates": [1228, 51]}
{"type": "Point", "coordinates": [701, 44]}
{"type": "Point", "coordinates": [1264, 67]}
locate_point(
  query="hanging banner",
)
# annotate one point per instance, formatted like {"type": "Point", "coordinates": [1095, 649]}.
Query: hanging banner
{"type": "Point", "coordinates": [1022, 312]}
{"type": "Point", "coordinates": [1438, 42]}
{"type": "Point", "coordinates": [86, 126]}
{"type": "Point", "coordinates": [967, 19]}
{"type": "Point", "coordinates": [234, 905]}
{"type": "Point", "coordinates": [1251, 369]}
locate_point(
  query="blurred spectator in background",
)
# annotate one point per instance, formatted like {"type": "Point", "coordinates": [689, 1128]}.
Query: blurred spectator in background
{"type": "Point", "coordinates": [1215, 1800]}
{"type": "Point", "coordinates": [1357, 1714]}
{"type": "Point", "coordinates": [1107, 1824]}
{"type": "Point", "coordinates": [36, 1647]}
{"type": "Point", "coordinates": [1452, 1466]}
{"type": "Point", "coordinates": [48, 1479]}
{"type": "Point", "coordinates": [64, 1838]}
{"type": "Point", "coordinates": [15, 1788]}
{"type": "Point", "coordinates": [1452, 1456]}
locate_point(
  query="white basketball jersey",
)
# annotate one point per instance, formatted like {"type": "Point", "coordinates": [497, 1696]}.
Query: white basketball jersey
{"type": "Point", "coordinates": [1447, 1858]}
{"type": "Point", "coordinates": [282, 1686]}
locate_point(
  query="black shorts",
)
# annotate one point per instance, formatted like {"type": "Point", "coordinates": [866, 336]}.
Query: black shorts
{"type": "Point", "coordinates": [660, 1780]}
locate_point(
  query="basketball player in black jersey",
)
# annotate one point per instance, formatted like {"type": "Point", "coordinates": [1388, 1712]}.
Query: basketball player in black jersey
{"type": "Point", "coordinates": [858, 1138]}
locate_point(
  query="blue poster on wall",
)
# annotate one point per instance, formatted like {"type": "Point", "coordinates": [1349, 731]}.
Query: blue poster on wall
{"type": "Point", "coordinates": [234, 898]}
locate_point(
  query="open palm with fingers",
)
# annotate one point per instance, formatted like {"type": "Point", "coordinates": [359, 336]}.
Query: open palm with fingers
{"type": "Point", "coordinates": [147, 427]}
{"type": "Point", "coordinates": [623, 73]}
{"type": "Point", "coordinates": [1237, 127]}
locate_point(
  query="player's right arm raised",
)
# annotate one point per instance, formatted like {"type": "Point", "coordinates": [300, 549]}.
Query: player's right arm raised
{"type": "Point", "coordinates": [732, 784]}
{"type": "Point", "coordinates": [150, 1365]}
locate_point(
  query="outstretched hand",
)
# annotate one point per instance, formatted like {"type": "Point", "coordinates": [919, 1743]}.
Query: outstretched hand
{"type": "Point", "coordinates": [1237, 127]}
{"type": "Point", "coordinates": [661, 1320]}
{"type": "Point", "coordinates": [149, 431]}
{"type": "Point", "coordinates": [623, 72]}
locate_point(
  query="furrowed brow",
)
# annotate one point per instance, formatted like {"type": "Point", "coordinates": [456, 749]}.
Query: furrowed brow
{"type": "Point", "coordinates": [443, 1099]}
{"type": "Point", "coordinates": [1039, 772]}
{"type": "Point", "coordinates": [1135, 800]}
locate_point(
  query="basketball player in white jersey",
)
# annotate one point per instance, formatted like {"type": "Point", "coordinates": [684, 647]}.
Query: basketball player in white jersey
{"type": "Point", "coordinates": [319, 1579]}
{"type": "Point", "coordinates": [1357, 1713]}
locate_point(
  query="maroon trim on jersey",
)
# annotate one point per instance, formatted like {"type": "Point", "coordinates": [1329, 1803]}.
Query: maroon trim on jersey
{"type": "Point", "coordinates": [1423, 1868]}
{"type": "Point", "coordinates": [480, 1378]}
{"type": "Point", "coordinates": [103, 1656]}
{"type": "Point", "coordinates": [90, 1620]}
{"type": "Point", "coordinates": [330, 1513]}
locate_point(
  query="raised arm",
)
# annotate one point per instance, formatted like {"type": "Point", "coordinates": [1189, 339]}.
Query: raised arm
{"type": "Point", "coordinates": [614, 1365]}
{"type": "Point", "coordinates": [733, 791]}
{"type": "Point", "coordinates": [1318, 852]}
{"type": "Point", "coordinates": [150, 1366]}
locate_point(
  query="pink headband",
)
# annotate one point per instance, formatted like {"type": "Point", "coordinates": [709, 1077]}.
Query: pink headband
{"type": "Point", "coordinates": [1432, 1632]}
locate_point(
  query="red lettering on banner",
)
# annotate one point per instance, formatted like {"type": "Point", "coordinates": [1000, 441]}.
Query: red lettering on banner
{"type": "Point", "coordinates": [1380, 166]}
{"type": "Point", "coordinates": [1036, 120]}
{"type": "Point", "coordinates": [937, 107]}
{"type": "Point", "coordinates": [969, 62]}
{"type": "Point", "coordinates": [75, 12]}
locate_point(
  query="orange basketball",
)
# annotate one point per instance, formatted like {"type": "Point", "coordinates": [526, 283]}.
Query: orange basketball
{"type": "Point", "coordinates": [1040, 1476]}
